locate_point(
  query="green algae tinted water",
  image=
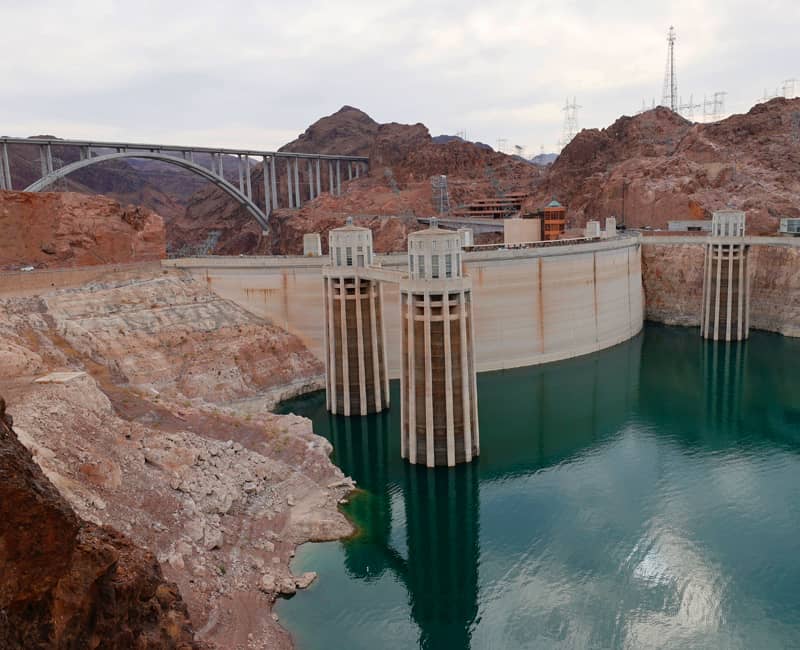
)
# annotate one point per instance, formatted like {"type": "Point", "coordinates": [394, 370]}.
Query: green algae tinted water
{"type": "Point", "coordinates": [647, 496]}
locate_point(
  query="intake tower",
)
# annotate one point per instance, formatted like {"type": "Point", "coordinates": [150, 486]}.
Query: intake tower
{"type": "Point", "coordinates": [439, 419]}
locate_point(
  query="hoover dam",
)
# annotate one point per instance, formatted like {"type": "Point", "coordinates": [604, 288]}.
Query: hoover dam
{"type": "Point", "coordinates": [531, 306]}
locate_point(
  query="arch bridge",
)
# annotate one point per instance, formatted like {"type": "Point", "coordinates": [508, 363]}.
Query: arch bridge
{"type": "Point", "coordinates": [207, 162]}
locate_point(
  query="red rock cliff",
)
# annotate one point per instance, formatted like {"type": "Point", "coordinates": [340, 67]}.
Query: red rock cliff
{"type": "Point", "coordinates": [66, 583]}
{"type": "Point", "coordinates": [51, 230]}
{"type": "Point", "coordinates": [657, 166]}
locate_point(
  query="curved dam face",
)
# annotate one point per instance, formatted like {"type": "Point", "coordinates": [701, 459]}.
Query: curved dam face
{"type": "Point", "coordinates": [530, 306]}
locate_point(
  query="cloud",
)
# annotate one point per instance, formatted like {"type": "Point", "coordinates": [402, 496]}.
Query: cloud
{"type": "Point", "coordinates": [263, 69]}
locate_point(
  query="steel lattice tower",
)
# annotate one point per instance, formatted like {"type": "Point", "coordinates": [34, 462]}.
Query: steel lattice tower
{"type": "Point", "coordinates": [670, 95]}
{"type": "Point", "coordinates": [570, 122]}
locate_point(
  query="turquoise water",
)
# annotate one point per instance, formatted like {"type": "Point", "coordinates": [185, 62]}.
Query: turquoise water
{"type": "Point", "coordinates": [647, 496]}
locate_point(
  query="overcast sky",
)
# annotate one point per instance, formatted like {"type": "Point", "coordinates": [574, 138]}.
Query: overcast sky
{"type": "Point", "coordinates": [256, 74]}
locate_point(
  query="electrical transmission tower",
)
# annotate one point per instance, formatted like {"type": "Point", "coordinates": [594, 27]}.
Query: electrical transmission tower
{"type": "Point", "coordinates": [714, 108]}
{"type": "Point", "coordinates": [670, 95]}
{"type": "Point", "coordinates": [789, 86]}
{"type": "Point", "coordinates": [443, 197]}
{"type": "Point", "coordinates": [570, 122]}
{"type": "Point", "coordinates": [501, 144]}
{"type": "Point", "coordinates": [687, 110]}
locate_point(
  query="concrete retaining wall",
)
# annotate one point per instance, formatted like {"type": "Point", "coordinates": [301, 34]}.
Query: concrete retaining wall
{"type": "Point", "coordinates": [530, 306]}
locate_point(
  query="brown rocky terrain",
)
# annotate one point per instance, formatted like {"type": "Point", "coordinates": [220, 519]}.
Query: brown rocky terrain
{"type": "Point", "coordinates": [403, 161]}
{"type": "Point", "coordinates": [61, 229]}
{"type": "Point", "coordinates": [69, 583]}
{"type": "Point", "coordinates": [164, 434]}
{"type": "Point", "coordinates": [657, 166]}
{"type": "Point", "coordinates": [645, 170]}
{"type": "Point", "coordinates": [672, 275]}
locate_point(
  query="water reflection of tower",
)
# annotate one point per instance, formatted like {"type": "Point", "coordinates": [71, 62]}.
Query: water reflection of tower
{"type": "Point", "coordinates": [439, 567]}
{"type": "Point", "coordinates": [442, 531]}
{"type": "Point", "coordinates": [361, 446]}
{"type": "Point", "coordinates": [724, 371]}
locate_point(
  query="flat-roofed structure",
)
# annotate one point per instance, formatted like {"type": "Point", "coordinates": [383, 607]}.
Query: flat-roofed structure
{"type": "Point", "coordinates": [689, 225]}
{"type": "Point", "coordinates": [519, 230]}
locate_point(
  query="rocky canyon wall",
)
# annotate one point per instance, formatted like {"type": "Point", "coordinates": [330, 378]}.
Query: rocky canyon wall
{"type": "Point", "coordinates": [68, 583]}
{"type": "Point", "coordinates": [65, 229]}
{"type": "Point", "coordinates": [673, 284]}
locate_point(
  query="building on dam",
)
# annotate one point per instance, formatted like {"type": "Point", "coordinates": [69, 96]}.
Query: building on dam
{"type": "Point", "coordinates": [725, 312]}
{"type": "Point", "coordinates": [439, 419]}
{"type": "Point", "coordinates": [357, 381]}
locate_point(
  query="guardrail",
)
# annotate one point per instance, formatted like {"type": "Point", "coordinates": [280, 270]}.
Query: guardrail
{"type": "Point", "coordinates": [536, 244]}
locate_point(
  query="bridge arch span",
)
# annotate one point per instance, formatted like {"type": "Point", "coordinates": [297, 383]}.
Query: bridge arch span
{"type": "Point", "coordinates": [44, 182]}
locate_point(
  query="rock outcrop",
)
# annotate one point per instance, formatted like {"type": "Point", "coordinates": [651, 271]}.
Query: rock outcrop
{"type": "Point", "coordinates": [55, 230]}
{"type": "Point", "coordinates": [67, 583]}
{"type": "Point", "coordinates": [162, 431]}
{"type": "Point", "coordinates": [403, 160]}
{"type": "Point", "coordinates": [657, 166]}
{"type": "Point", "coordinates": [672, 275]}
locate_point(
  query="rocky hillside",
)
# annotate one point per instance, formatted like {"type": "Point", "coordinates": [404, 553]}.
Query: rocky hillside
{"type": "Point", "coordinates": [672, 275]}
{"type": "Point", "coordinates": [657, 166]}
{"type": "Point", "coordinates": [162, 431]}
{"type": "Point", "coordinates": [403, 160]}
{"type": "Point", "coordinates": [68, 583]}
{"type": "Point", "coordinates": [63, 229]}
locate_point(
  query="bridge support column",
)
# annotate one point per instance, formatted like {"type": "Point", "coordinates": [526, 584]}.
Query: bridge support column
{"type": "Point", "coordinates": [49, 152]}
{"type": "Point", "coordinates": [4, 162]}
{"type": "Point", "coordinates": [274, 181]}
{"type": "Point", "coordinates": [349, 170]}
{"type": "Point", "coordinates": [221, 162]}
{"type": "Point", "coordinates": [338, 178]}
{"type": "Point", "coordinates": [310, 182]}
{"type": "Point", "coordinates": [4, 185]}
{"type": "Point", "coordinates": [265, 169]}
{"type": "Point", "coordinates": [43, 160]}
{"type": "Point", "coordinates": [241, 174]}
{"type": "Point", "coordinates": [330, 176]}
{"type": "Point", "coordinates": [319, 179]}
{"type": "Point", "coordinates": [248, 181]}
{"type": "Point", "coordinates": [297, 202]}
{"type": "Point", "coordinates": [289, 182]}
{"type": "Point", "coordinates": [358, 169]}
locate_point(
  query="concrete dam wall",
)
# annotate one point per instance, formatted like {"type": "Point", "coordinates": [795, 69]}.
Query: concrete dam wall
{"type": "Point", "coordinates": [530, 306]}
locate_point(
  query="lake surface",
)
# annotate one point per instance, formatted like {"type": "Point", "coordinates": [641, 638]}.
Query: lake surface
{"type": "Point", "coordinates": [647, 496]}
